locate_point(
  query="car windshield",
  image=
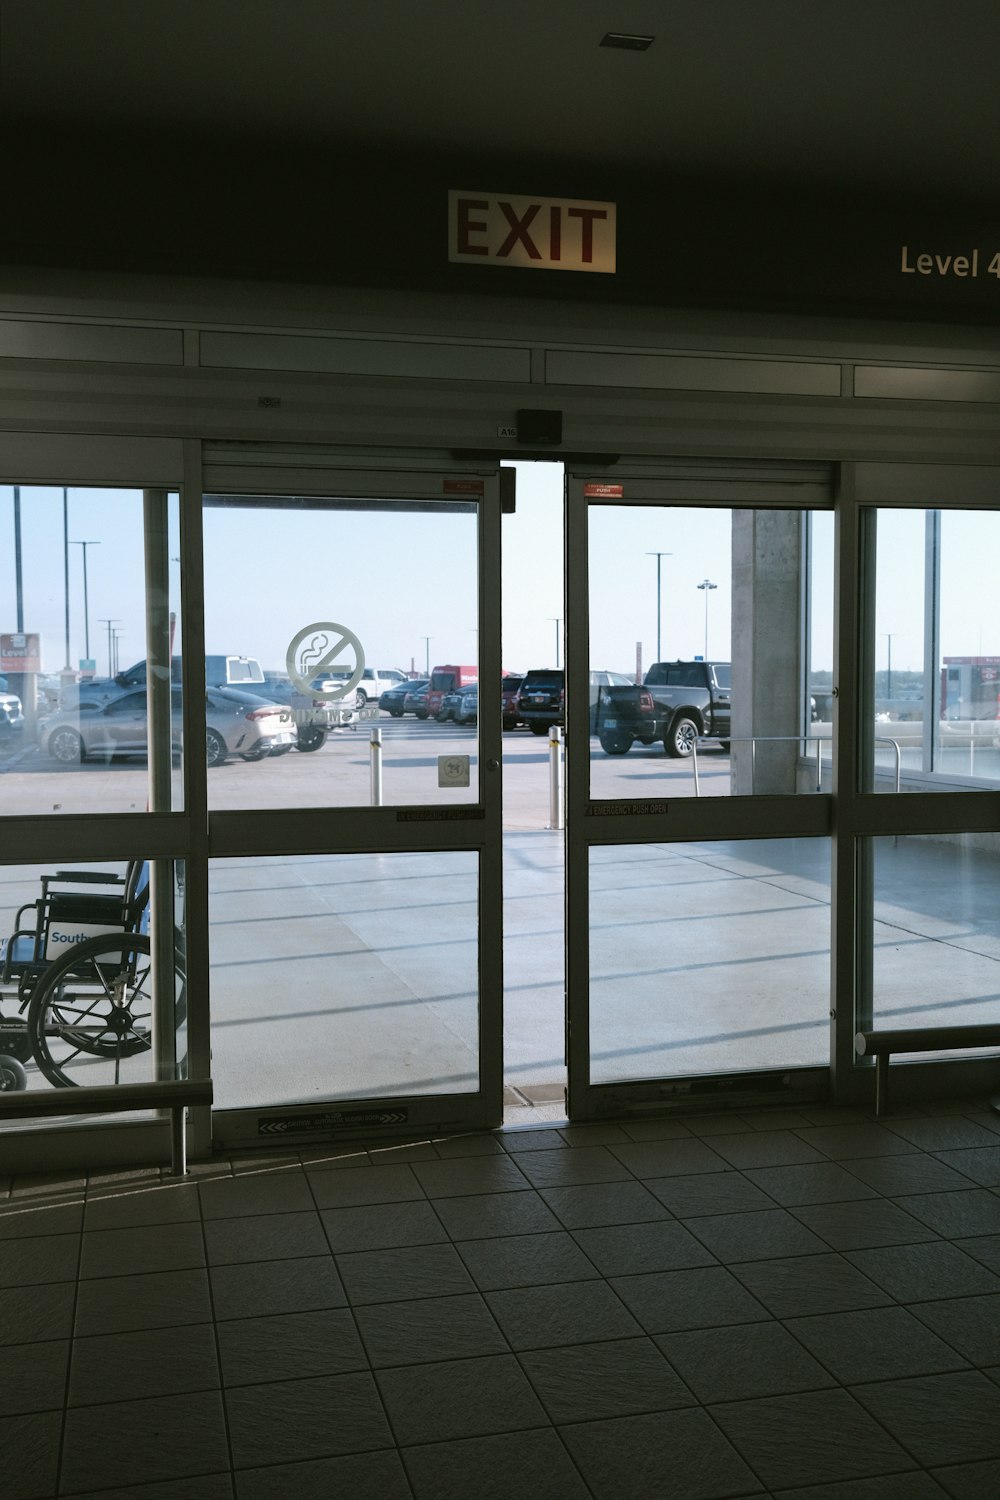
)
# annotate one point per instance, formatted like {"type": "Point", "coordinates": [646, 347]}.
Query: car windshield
{"type": "Point", "coordinates": [543, 681]}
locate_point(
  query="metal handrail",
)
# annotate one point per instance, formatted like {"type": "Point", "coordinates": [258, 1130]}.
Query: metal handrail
{"type": "Point", "coordinates": [754, 739]}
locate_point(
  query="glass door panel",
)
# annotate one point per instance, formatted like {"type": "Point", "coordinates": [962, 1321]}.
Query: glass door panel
{"type": "Point", "coordinates": [354, 880]}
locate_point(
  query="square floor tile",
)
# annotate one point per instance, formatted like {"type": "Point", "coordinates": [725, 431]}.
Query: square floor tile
{"type": "Point", "coordinates": [289, 1345]}
{"type": "Point", "coordinates": [164, 1204]}
{"type": "Point", "coordinates": [489, 1214]}
{"type": "Point", "coordinates": [804, 1439]}
{"type": "Point", "coordinates": [534, 1139]}
{"type": "Point", "coordinates": [939, 1418]}
{"type": "Point", "coordinates": [709, 1193]}
{"type": "Point", "coordinates": [31, 1455]}
{"type": "Point", "coordinates": [765, 1148]}
{"type": "Point", "coordinates": [919, 1273]}
{"type": "Point", "coordinates": [36, 1313]}
{"type": "Point", "coordinates": [734, 1364]}
{"type": "Point", "coordinates": [627, 1249]}
{"type": "Point", "coordinates": [151, 1362]}
{"type": "Point", "coordinates": [971, 1481]}
{"type": "Point", "coordinates": [813, 1182]}
{"type": "Point", "coordinates": [701, 1298]}
{"type": "Point", "coordinates": [132, 1252]}
{"type": "Point", "coordinates": [262, 1287]}
{"type": "Point", "coordinates": [547, 1316]}
{"type": "Point", "coordinates": [470, 1175]}
{"type": "Point", "coordinates": [382, 1226]}
{"type": "Point", "coordinates": [603, 1203]}
{"type": "Point", "coordinates": [845, 1142]}
{"type": "Point", "coordinates": [804, 1284]}
{"type": "Point", "coordinates": [477, 1144]}
{"type": "Point", "coordinates": [192, 1487]}
{"type": "Point", "coordinates": [619, 1378]}
{"type": "Point", "coordinates": [459, 1398]}
{"type": "Point", "coordinates": [671, 1158]}
{"type": "Point", "coordinates": [355, 1476]}
{"type": "Point", "coordinates": [985, 1248]}
{"type": "Point", "coordinates": [909, 1486]}
{"type": "Point", "coordinates": [281, 1191]}
{"type": "Point", "coordinates": [755, 1236]}
{"type": "Point", "coordinates": [859, 1225]}
{"type": "Point", "coordinates": [483, 1467]}
{"type": "Point", "coordinates": [402, 1275]}
{"type": "Point", "coordinates": [664, 1129]}
{"type": "Point", "coordinates": [122, 1304]}
{"type": "Point", "coordinates": [956, 1215]}
{"type": "Point", "coordinates": [881, 1343]}
{"type": "Point", "coordinates": [916, 1173]}
{"type": "Point", "coordinates": [595, 1133]}
{"type": "Point", "coordinates": [301, 1419]}
{"type": "Point", "coordinates": [525, 1260]}
{"type": "Point", "coordinates": [21, 1220]}
{"type": "Point", "coordinates": [981, 1165]}
{"type": "Point", "coordinates": [43, 1258]}
{"type": "Point", "coordinates": [265, 1237]}
{"type": "Point", "coordinates": [634, 1458]}
{"type": "Point", "coordinates": [347, 1188]}
{"type": "Point", "coordinates": [567, 1168]}
{"type": "Point", "coordinates": [969, 1324]}
{"type": "Point", "coordinates": [432, 1329]}
{"type": "Point", "coordinates": [33, 1376]}
{"type": "Point", "coordinates": [943, 1133]}
{"type": "Point", "coordinates": [137, 1442]}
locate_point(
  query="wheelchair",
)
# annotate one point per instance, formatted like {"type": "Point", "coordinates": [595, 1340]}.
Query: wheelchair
{"type": "Point", "coordinates": [77, 967]}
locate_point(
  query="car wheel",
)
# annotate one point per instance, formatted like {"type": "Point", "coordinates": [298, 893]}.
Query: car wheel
{"type": "Point", "coordinates": [395, 713]}
{"type": "Point", "coordinates": [362, 697]}
{"type": "Point", "coordinates": [215, 746]}
{"type": "Point", "coordinates": [313, 737]}
{"type": "Point", "coordinates": [615, 744]}
{"type": "Point", "coordinates": [537, 728]}
{"type": "Point", "coordinates": [261, 752]}
{"type": "Point", "coordinates": [419, 714]}
{"type": "Point", "coordinates": [66, 746]}
{"type": "Point", "coordinates": [281, 750]}
{"type": "Point", "coordinates": [682, 738]}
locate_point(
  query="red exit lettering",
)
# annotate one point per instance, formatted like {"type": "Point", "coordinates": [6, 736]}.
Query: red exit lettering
{"type": "Point", "coordinates": [551, 233]}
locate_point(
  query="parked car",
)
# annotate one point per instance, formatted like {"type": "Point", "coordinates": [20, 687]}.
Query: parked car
{"type": "Point", "coordinates": [46, 691]}
{"type": "Point", "coordinates": [541, 701]}
{"type": "Point", "coordinates": [313, 716]}
{"type": "Point", "coordinates": [679, 702]}
{"type": "Point", "coordinates": [237, 723]}
{"type": "Point", "coordinates": [11, 716]}
{"type": "Point", "coordinates": [415, 701]}
{"type": "Point", "coordinates": [510, 686]}
{"type": "Point", "coordinates": [374, 681]}
{"type": "Point", "coordinates": [448, 679]}
{"type": "Point", "coordinates": [466, 710]}
{"type": "Point", "coordinates": [393, 700]}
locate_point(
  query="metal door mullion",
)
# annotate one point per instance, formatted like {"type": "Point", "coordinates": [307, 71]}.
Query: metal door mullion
{"type": "Point", "coordinates": [576, 637]}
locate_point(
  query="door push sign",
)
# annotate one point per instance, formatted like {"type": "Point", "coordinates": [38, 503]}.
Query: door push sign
{"type": "Point", "coordinates": [542, 234]}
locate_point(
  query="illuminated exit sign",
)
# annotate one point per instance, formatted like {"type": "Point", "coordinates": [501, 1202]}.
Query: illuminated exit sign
{"type": "Point", "coordinates": [543, 234]}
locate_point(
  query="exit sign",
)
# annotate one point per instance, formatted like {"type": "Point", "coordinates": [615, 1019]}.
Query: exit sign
{"type": "Point", "coordinates": [542, 234]}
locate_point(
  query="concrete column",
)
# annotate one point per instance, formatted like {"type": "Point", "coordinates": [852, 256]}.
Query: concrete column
{"type": "Point", "coordinates": [767, 561]}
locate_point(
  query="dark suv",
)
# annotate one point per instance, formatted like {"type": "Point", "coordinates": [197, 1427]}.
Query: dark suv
{"type": "Point", "coordinates": [541, 701]}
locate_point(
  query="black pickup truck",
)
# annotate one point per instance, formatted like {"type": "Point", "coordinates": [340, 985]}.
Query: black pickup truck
{"type": "Point", "coordinates": [678, 702]}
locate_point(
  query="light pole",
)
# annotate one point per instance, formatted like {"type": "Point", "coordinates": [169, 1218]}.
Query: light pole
{"type": "Point", "coordinates": [888, 674]}
{"type": "Point", "coordinates": [556, 620]}
{"type": "Point", "coordinates": [658, 556]}
{"type": "Point", "coordinates": [111, 633]}
{"type": "Point", "coordinates": [86, 605]}
{"type": "Point", "coordinates": [427, 653]}
{"type": "Point", "coordinates": [706, 587]}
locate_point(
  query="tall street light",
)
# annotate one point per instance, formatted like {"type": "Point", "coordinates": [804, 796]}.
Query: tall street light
{"type": "Point", "coordinates": [111, 633]}
{"type": "Point", "coordinates": [427, 648]}
{"type": "Point", "coordinates": [86, 605]}
{"type": "Point", "coordinates": [888, 675]}
{"type": "Point", "coordinates": [557, 621]}
{"type": "Point", "coordinates": [706, 587]}
{"type": "Point", "coordinates": [658, 556]}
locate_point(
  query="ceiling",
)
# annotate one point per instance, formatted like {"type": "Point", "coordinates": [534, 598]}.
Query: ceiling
{"type": "Point", "coordinates": [887, 95]}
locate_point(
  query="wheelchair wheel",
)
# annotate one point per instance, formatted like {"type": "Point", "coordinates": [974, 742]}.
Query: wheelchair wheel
{"type": "Point", "coordinates": [12, 1075]}
{"type": "Point", "coordinates": [91, 1013]}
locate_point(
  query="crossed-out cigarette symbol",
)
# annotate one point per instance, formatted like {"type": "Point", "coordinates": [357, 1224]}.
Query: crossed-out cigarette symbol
{"type": "Point", "coordinates": [315, 649]}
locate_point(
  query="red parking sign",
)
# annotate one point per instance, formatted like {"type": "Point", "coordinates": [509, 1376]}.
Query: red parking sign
{"type": "Point", "coordinates": [20, 652]}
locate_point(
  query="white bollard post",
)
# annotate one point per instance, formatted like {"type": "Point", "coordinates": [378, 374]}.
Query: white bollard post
{"type": "Point", "coordinates": [556, 811]}
{"type": "Point", "coordinates": [376, 767]}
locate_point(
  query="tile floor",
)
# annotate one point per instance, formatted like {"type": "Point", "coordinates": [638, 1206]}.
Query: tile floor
{"type": "Point", "coordinates": [795, 1304]}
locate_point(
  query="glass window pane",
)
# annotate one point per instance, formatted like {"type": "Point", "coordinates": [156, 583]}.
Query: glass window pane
{"type": "Point", "coordinates": [937, 931]}
{"type": "Point", "coordinates": [709, 958]}
{"type": "Point", "coordinates": [328, 604]}
{"type": "Point", "coordinates": [81, 1003]}
{"type": "Point", "coordinates": [935, 685]}
{"type": "Point", "coordinates": [703, 611]}
{"type": "Point", "coordinates": [344, 976]}
{"type": "Point", "coordinates": [73, 634]}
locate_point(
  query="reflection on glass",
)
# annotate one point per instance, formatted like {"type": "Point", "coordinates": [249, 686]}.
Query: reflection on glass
{"type": "Point", "coordinates": [75, 721]}
{"type": "Point", "coordinates": [709, 958]}
{"type": "Point", "coordinates": [334, 604]}
{"type": "Point", "coordinates": [710, 606]}
{"type": "Point", "coordinates": [935, 685]}
{"type": "Point", "coordinates": [936, 930]}
{"type": "Point", "coordinates": [79, 1001]}
{"type": "Point", "coordinates": [344, 976]}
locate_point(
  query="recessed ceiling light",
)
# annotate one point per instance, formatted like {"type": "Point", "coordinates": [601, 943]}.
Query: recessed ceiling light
{"type": "Point", "coordinates": [629, 41]}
